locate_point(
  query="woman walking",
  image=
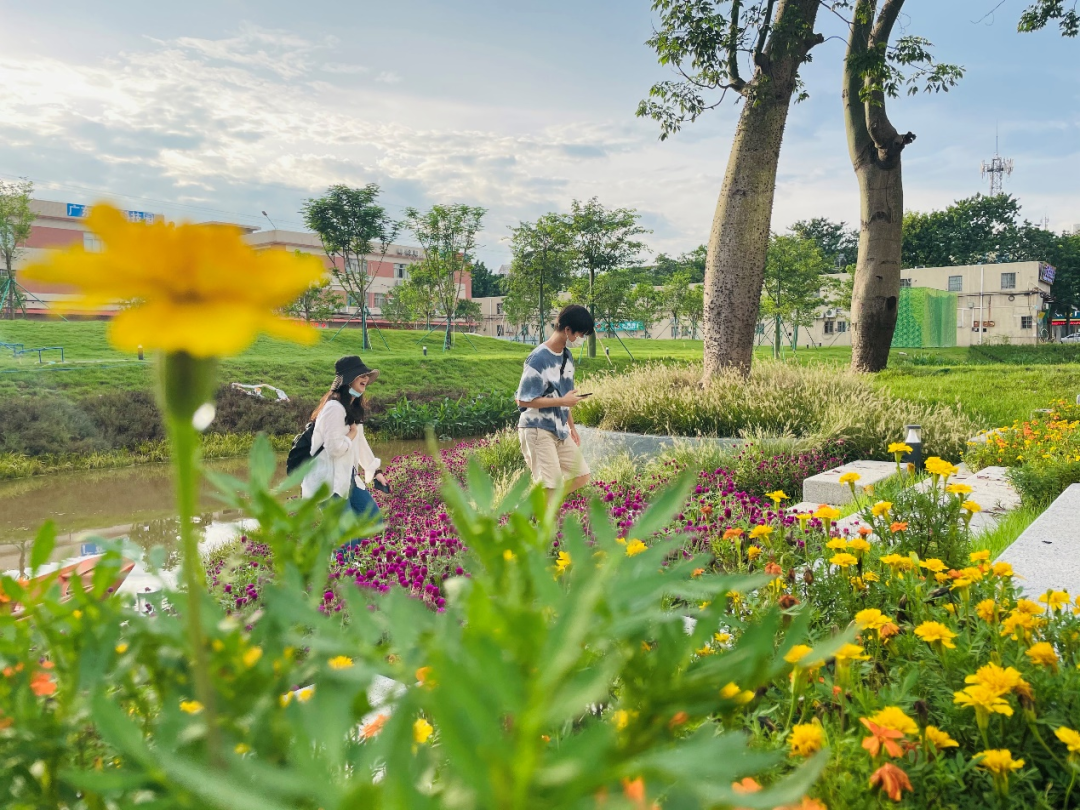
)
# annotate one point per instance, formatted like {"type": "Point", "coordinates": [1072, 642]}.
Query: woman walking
{"type": "Point", "coordinates": [338, 441]}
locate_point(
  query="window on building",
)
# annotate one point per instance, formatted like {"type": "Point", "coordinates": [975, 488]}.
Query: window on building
{"type": "Point", "coordinates": [1008, 281]}
{"type": "Point", "coordinates": [401, 271]}
{"type": "Point", "coordinates": [1026, 322]}
{"type": "Point", "coordinates": [380, 300]}
{"type": "Point", "coordinates": [498, 330]}
{"type": "Point", "coordinates": [352, 299]}
{"type": "Point", "coordinates": [498, 309]}
{"type": "Point", "coordinates": [841, 326]}
{"type": "Point", "coordinates": [905, 282]}
{"type": "Point", "coordinates": [829, 327]}
{"type": "Point", "coordinates": [92, 243]}
{"type": "Point", "coordinates": [956, 283]}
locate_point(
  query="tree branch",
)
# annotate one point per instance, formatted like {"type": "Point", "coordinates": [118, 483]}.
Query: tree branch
{"type": "Point", "coordinates": [854, 107]}
{"type": "Point", "coordinates": [763, 35]}
{"type": "Point", "coordinates": [733, 49]}
{"type": "Point", "coordinates": [884, 134]}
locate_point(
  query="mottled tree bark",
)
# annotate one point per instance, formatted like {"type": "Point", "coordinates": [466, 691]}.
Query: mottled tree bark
{"type": "Point", "coordinates": [739, 238]}
{"type": "Point", "coordinates": [876, 148]}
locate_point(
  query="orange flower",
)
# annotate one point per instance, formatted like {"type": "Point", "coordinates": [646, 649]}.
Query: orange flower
{"type": "Point", "coordinates": [865, 531]}
{"type": "Point", "coordinates": [892, 780]}
{"type": "Point", "coordinates": [898, 526]}
{"type": "Point", "coordinates": [423, 677]}
{"type": "Point", "coordinates": [881, 736]}
{"type": "Point", "coordinates": [746, 785]}
{"type": "Point", "coordinates": [697, 573]}
{"type": "Point", "coordinates": [678, 719]}
{"type": "Point", "coordinates": [634, 790]}
{"type": "Point", "coordinates": [772, 569]}
{"type": "Point", "coordinates": [42, 684]}
{"type": "Point", "coordinates": [733, 534]}
{"type": "Point", "coordinates": [373, 728]}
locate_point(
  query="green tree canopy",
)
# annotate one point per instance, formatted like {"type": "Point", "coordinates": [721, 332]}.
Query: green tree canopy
{"type": "Point", "coordinates": [16, 220]}
{"type": "Point", "coordinates": [540, 270]}
{"type": "Point", "coordinates": [794, 278]}
{"type": "Point", "coordinates": [485, 284]}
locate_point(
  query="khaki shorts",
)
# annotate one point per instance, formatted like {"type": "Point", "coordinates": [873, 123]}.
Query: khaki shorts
{"type": "Point", "coordinates": [551, 460]}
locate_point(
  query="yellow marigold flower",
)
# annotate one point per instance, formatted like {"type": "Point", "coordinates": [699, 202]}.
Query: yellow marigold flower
{"type": "Point", "coordinates": [983, 700]}
{"type": "Point", "coordinates": [933, 564]}
{"type": "Point", "coordinates": [776, 496]}
{"type": "Point", "coordinates": [851, 652]}
{"type": "Point", "coordinates": [1001, 680]}
{"type": "Point", "coordinates": [1019, 625]}
{"type": "Point", "coordinates": [798, 653]}
{"type": "Point", "coordinates": [509, 555]}
{"type": "Point", "coordinates": [843, 560]}
{"type": "Point", "coordinates": [760, 531]}
{"type": "Point", "coordinates": [722, 638]}
{"type": "Point", "coordinates": [1070, 737]}
{"type": "Point", "coordinates": [971, 507]}
{"type": "Point", "coordinates": [849, 478]}
{"type": "Point", "coordinates": [937, 466]}
{"type": "Point", "coordinates": [980, 556]}
{"type": "Point", "coordinates": [899, 448]}
{"type": "Point", "coordinates": [242, 748]}
{"type": "Point", "coordinates": [190, 706]}
{"type": "Point", "coordinates": [837, 544]}
{"type": "Point", "coordinates": [936, 633]}
{"type": "Point", "coordinates": [285, 699]}
{"type": "Point", "coordinates": [621, 541]}
{"type": "Point", "coordinates": [635, 547]}
{"type": "Point", "coordinates": [806, 739]}
{"type": "Point", "coordinates": [305, 694]}
{"type": "Point", "coordinates": [871, 619]}
{"type": "Point", "coordinates": [893, 717]}
{"type": "Point", "coordinates": [1002, 569]}
{"type": "Point", "coordinates": [859, 545]}
{"type": "Point", "coordinates": [753, 552]}
{"type": "Point", "coordinates": [939, 739]}
{"type": "Point", "coordinates": [999, 761]}
{"type": "Point", "coordinates": [251, 656]}
{"type": "Point", "coordinates": [121, 648]}
{"type": "Point", "coordinates": [870, 576]}
{"type": "Point", "coordinates": [621, 719]}
{"type": "Point", "coordinates": [959, 489]}
{"type": "Point", "coordinates": [703, 651]}
{"type": "Point", "coordinates": [987, 610]}
{"type": "Point", "coordinates": [803, 518]}
{"type": "Point", "coordinates": [1056, 600]}
{"type": "Point", "coordinates": [881, 508]}
{"type": "Point", "coordinates": [1027, 606]}
{"type": "Point", "coordinates": [340, 662]}
{"type": "Point", "coordinates": [562, 562]}
{"type": "Point", "coordinates": [204, 291]}
{"type": "Point", "coordinates": [421, 731]}
{"type": "Point", "coordinates": [1043, 655]}
{"type": "Point", "coordinates": [733, 692]}
{"type": "Point", "coordinates": [898, 562]}
{"type": "Point", "coordinates": [826, 512]}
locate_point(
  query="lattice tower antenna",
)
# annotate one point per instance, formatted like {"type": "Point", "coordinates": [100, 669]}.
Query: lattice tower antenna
{"type": "Point", "coordinates": [997, 169]}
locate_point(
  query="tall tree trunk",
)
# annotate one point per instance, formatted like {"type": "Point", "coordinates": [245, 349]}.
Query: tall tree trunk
{"type": "Point", "coordinates": [876, 148]}
{"type": "Point", "coordinates": [739, 238]}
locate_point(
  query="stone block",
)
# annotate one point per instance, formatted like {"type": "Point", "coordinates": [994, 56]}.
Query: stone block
{"type": "Point", "coordinates": [1047, 555]}
{"type": "Point", "coordinates": [826, 487]}
{"type": "Point", "coordinates": [601, 446]}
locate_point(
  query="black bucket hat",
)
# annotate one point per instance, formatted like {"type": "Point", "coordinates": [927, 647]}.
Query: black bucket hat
{"type": "Point", "coordinates": [351, 367]}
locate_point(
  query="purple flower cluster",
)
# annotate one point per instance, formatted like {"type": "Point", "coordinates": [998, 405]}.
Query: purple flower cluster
{"type": "Point", "coordinates": [419, 549]}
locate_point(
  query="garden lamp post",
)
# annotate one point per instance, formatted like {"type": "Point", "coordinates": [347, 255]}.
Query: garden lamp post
{"type": "Point", "coordinates": [913, 439]}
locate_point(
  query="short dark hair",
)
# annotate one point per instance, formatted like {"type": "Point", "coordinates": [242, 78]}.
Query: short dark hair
{"type": "Point", "coordinates": [576, 318]}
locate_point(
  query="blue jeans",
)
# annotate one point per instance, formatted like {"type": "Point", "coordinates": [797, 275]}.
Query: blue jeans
{"type": "Point", "coordinates": [361, 502]}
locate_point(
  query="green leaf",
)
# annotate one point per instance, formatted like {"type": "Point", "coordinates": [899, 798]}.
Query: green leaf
{"type": "Point", "coordinates": [44, 544]}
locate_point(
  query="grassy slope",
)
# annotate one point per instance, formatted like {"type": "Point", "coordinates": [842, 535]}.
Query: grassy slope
{"type": "Point", "coordinates": [994, 394]}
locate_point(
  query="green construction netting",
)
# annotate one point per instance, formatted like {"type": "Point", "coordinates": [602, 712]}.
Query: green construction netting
{"type": "Point", "coordinates": [926, 319]}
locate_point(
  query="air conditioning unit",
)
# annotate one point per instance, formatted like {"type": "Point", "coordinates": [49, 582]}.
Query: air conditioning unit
{"type": "Point", "coordinates": [830, 313]}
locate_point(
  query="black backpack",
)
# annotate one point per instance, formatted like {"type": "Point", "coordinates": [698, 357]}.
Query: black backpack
{"type": "Point", "coordinates": [301, 449]}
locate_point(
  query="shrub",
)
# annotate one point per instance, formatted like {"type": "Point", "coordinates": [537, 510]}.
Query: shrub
{"type": "Point", "coordinates": [449, 418]}
{"type": "Point", "coordinates": [819, 403]}
{"type": "Point", "coordinates": [36, 426]}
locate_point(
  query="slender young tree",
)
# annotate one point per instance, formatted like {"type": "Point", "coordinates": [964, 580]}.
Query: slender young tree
{"type": "Point", "coordinates": [447, 233]}
{"type": "Point", "coordinates": [540, 270]}
{"type": "Point", "coordinates": [604, 239]}
{"type": "Point", "coordinates": [873, 71]}
{"type": "Point", "coordinates": [16, 219]}
{"type": "Point", "coordinates": [675, 297]}
{"type": "Point", "coordinates": [794, 279]}
{"type": "Point", "coordinates": [352, 227]}
{"type": "Point", "coordinates": [753, 49]}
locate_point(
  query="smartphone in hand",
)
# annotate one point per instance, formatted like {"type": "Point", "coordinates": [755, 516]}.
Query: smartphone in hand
{"type": "Point", "coordinates": [582, 396]}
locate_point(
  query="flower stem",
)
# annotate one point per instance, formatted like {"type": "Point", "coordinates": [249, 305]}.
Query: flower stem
{"type": "Point", "coordinates": [187, 383]}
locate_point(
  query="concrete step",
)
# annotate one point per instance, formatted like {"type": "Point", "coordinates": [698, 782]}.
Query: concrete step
{"type": "Point", "coordinates": [1047, 555]}
{"type": "Point", "coordinates": [826, 487]}
{"type": "Point", "coordinates": [991, 489]}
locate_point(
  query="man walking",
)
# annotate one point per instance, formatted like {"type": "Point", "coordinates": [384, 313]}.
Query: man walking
{"type": "Point", "coordinates": [549, 441]}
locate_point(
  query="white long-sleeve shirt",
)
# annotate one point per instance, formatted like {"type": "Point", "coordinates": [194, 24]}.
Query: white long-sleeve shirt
{"type": "Point", "coordinates": [336, 464]}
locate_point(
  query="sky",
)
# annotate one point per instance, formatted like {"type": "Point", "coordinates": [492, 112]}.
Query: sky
{"type": "Point", "coordinates": [222, 110]}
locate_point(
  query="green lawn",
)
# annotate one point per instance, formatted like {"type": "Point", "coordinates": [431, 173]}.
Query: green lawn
{"type": "Point", "coordinates": [994, 393]}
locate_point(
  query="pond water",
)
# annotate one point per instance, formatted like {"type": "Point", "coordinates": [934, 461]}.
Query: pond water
{"type": "Point", "coordinates": [136, 503]}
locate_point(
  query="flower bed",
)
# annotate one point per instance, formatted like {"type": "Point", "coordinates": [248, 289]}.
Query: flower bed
{"type": "Point", "coordinates": [1043, 453]}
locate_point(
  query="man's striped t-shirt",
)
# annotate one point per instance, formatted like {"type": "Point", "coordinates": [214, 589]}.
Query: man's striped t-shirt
{"type": "Point", "coordinates": [542, 378]}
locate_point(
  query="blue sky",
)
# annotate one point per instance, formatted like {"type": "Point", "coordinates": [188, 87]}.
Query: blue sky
{"type": "Point", "coordinates": [221, 110]}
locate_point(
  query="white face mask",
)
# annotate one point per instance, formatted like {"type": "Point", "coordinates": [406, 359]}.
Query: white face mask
{"type": "Point", "coordinates": [575, 344]}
